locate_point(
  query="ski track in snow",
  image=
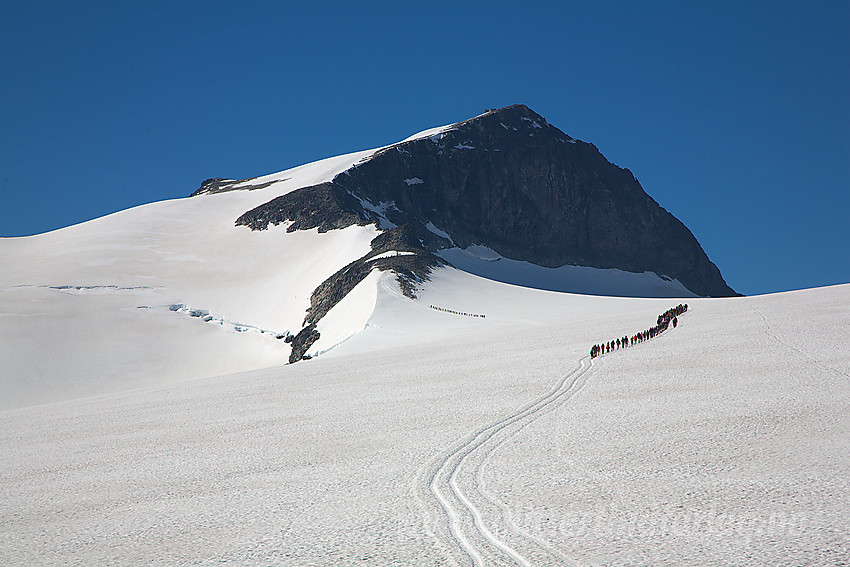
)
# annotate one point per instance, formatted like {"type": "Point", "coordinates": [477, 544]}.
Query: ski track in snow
{"type": "Point", "coordinates": [769, 332]}
{"type": "Point", "coordinates": [453, 487]}
{"type": "Point", "coordinates": [546, 554]}
{"type": "Point", "coordinates": [465, 464]}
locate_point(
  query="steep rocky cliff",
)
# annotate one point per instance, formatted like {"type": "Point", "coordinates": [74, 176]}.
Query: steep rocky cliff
{"type": "Point", "coordinates": [510, 181]}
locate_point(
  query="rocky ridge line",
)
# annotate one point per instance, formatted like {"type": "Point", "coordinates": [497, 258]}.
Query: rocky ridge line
{"type": "Point", "coordinates": [411, 263]}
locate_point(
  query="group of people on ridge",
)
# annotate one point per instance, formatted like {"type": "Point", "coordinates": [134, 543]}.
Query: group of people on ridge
{"type": "Point", "coordinates": [671, 316]}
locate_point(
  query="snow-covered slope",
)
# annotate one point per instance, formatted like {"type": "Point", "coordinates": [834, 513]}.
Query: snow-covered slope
{"type": "Point", "coordinates": [147, 415]}
{"type": "Point", "coordinates": [173, 290]}
{"type": "Point", "coordinates": [163, 292]}
{"type": "Point", "coordinates": [440, 437]}
{"type": "Point", "coordinates": [482, 261]}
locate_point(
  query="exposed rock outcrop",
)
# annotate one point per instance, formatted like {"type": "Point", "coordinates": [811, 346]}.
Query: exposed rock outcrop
{"type": "Point", "coordinates": [221, 185]}
{"type": "Point", "coordinates": [215, 185]}
{"type": "Point", "coordinates": [302, 342]}
{"type": "Point", "coordinates": [326, 206]}
{"type": "Point", "coordinates": [397, 250]}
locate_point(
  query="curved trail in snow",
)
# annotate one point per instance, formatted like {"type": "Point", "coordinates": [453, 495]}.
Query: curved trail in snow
{"type": "Point", "coordinates": [806, 356]}
{"type": "Point", "coordinates": [470, 520]}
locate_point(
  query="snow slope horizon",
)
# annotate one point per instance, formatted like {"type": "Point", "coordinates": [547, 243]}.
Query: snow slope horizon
{"type": "Point", "coordinates": [172, 290]}
{"type": "Point", "coordinates": [724, 438]}
{"type": "Point", "coordinates": [179, 253]}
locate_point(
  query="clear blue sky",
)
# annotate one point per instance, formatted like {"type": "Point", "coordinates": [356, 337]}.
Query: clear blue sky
{"type": "Point", "coordinates": [734, 116]}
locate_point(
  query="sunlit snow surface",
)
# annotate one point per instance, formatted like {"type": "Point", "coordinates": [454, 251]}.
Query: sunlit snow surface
{"type": "Point", "coordinates": [420, 435]}
{"type": "Point", "coordinates": [724, 438]}
{"type": "Point", "coordinates": [87, 309]}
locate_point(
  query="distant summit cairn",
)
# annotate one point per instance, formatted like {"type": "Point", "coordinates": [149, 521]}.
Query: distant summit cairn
{"type": "Point", "coordinates": [508, 180]}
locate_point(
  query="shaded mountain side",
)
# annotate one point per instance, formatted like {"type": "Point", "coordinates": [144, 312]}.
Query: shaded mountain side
{"type": "Point", "coordinates": [326, 206]}
{"type": "Point", "coordinates": [509, 181]}
{"type": "Point", "coordinates": [512, 182]}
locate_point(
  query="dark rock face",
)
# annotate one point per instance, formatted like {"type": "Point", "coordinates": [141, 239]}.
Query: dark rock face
{"type": "Point", "coordinates": [325, 206]}
{"type": "Point", "coordinates": [510, 181]}
{"type": "Point", "coordinates": [302, 342]}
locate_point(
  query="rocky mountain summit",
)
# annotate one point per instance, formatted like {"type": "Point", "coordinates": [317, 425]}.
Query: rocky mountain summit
{"type": "Point", "coordinates": [506, 180]}
{"type": "Point", "coordinates": [510, 181]}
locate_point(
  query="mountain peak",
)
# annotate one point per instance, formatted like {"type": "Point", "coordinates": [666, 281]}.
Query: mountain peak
{"type": "Point", "coordinates": [509, 181]}
{"type": "Point", "coordinates": [513, 110]}
{"type": "Point", "coordinates": [513, 118]}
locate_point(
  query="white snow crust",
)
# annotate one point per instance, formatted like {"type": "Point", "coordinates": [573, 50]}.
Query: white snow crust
{"type": "Point", "coordinates": [430, 133]}
{"type": "Point", "coordinates": [347, 317]}
{"type": "Point", "coordinates": [430, 438]}
{"type": "Point", "coordinates": [441, 233]}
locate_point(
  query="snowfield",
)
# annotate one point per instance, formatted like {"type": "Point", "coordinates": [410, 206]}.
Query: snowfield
{"type": "Point", "coordinates": [147, 415]}
{"type": "Point", "coordinates": [431, 438]}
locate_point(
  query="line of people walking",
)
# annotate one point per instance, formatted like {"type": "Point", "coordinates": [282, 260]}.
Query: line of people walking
{"type": "Point", "coordinates": [481, 315]}
{"type": "Point", "coordinates": [662, 323]}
